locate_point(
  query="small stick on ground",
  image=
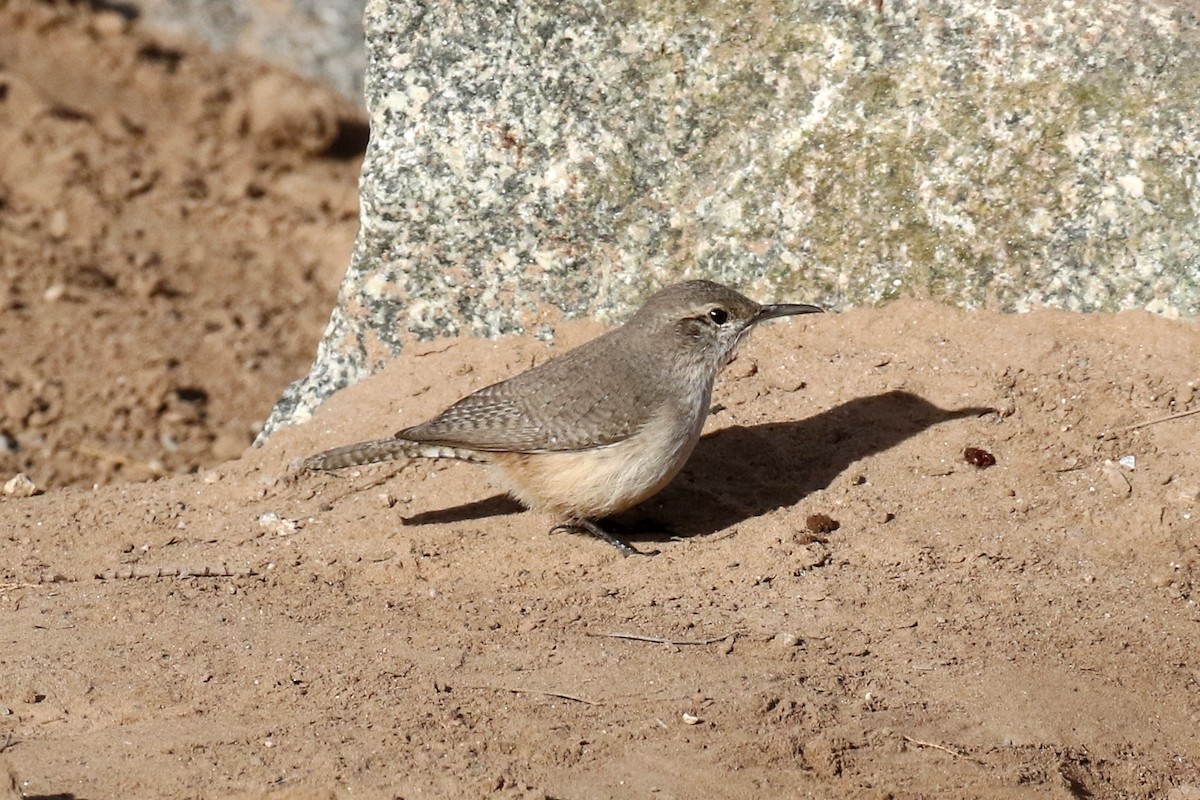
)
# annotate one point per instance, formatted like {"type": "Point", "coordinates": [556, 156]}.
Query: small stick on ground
{"type": "Point", "coordinates": [560, 695]}
{"type": "Point", "coordinates": [133, 572]}
{"type": "Point", "coordinates": [1156, 421]}
{"type": "Point", "coordinates": [659, 640]}
{"type": "Point", "coordinates": [942, 747]}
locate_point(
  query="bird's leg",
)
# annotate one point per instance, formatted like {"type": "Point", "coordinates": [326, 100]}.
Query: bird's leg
{"type": "Point", "coordinates": [587, 526]}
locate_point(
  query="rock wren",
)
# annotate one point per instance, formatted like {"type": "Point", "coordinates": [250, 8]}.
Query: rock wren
{"type": "Point", "coordinates": [602, 427]}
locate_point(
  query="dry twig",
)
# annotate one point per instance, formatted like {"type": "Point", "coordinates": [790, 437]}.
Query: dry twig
{"type": "Point", "coordinates": [942, 747]}
{"type": "Point", "coordinates": [1149, 422]}
{"type": "Point", "coordinates": [222, 571]}
{"type": "Point", "coordinates": [659, 640]}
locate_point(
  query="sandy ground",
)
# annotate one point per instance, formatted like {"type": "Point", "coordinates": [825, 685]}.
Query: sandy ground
{"type": "Point", "coordinates": [173, 229]}
{"type": "Point", "coordinates": [1027, 629]}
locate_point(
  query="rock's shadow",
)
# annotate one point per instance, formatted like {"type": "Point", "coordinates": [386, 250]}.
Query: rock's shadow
{"type": "Point", "coordinates": [742, 472]}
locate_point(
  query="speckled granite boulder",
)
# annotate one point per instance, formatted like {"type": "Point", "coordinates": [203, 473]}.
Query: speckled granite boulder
{"type": "Point", "coordinates": [1015, 154]}
{"type": "Point", "coordinates": [322, 39]}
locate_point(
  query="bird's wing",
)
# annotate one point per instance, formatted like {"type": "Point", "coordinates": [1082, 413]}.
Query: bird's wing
{"type": "Point", "coordinates": [565, 404]}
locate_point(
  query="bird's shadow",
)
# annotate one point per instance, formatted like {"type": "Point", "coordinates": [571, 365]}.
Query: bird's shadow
{"type": "Point", "coordinates": [741, 472]}
{"type": "Point", "coordinates": [498, 505]}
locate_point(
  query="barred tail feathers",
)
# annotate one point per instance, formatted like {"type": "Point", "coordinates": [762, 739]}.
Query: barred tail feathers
{"type": "Point", "coordinates": [391, 449]}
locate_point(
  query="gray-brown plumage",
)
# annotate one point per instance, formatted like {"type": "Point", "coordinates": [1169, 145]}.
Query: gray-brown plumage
{"type": "Point", "coordinates": [601, 427]}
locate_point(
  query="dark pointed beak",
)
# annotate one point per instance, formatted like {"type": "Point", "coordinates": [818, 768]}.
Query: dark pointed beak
{"type": "Point", "coordinates": [786, 310]}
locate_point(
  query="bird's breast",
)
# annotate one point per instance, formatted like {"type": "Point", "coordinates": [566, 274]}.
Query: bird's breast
{"type": "Point", "coordinates": [605, 480]}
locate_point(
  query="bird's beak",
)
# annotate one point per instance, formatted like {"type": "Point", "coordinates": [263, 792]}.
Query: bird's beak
{"type": "Point", "coordinates": [785, 310]}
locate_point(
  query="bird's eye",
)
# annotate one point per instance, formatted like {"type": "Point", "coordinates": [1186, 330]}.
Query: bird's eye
{"type": "Point", "coordinates": [718, 315]}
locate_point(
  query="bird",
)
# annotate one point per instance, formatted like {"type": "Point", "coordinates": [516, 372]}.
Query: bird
{"type": "Point", "coordinates": [600, 428]}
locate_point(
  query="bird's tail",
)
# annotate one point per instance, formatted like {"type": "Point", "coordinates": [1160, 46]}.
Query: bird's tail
{"type": "Point", "coordinates": [390, 449]}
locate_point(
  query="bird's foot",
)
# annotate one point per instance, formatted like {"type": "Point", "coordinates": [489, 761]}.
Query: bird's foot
{"type": "Point", "coordinates": [589, 527]}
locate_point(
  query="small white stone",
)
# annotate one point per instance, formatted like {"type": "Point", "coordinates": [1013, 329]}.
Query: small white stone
{"type": "Point", "coordinates": [277, 524]}
{"type": "Point", "coordinates": [20, 485]}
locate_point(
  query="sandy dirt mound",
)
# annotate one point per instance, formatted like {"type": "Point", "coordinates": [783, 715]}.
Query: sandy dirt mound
{"type": "Point", "coordinates": [170, 243]}
{"type": "Point", "coordinates": [1026, 629]}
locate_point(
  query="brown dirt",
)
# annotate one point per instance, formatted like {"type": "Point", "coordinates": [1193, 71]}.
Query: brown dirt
{"type": "Point", "coordinates": [1023, 630]}
{"type": "Point", "coordinates": [173, 229]}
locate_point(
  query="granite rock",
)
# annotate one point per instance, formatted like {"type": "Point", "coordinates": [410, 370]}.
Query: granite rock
{"type": "Point", "coordinates": [1014, 154]}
